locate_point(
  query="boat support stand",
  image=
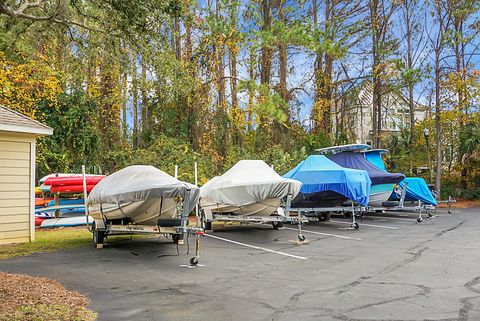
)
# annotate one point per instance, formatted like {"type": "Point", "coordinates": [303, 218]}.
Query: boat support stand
{"type": "Point", "coordinates": [185, 230]}
{"type": "Point", "coordinates": [300, 220]}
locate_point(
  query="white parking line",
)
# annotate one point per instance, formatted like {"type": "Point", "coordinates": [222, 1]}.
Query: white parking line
{"type": "Point", "coordinates": [256, 247]}
{"type": "Point", "coordinates": [326, 234]}
{"type": "Point", "coordinates": [364, 224]}
{"type": "Point", "coordinates": [392, 217]}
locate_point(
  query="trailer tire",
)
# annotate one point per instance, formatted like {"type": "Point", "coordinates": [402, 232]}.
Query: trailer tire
{"type": "Point", "coordinates": [194, 261]}
{"type": "Point", "coordinates": [323, 217]}
{"type": "Point", "coordinates": [356, 226]}
{"type": "Point", "coordinates": [390, 203]}
{"type": "Point", "coordinates": [176, 238]}
{"type": "Point", "coordinates": [98, 236]}
{"type": "Point", "coordinates": [277, 225]}
{"type": "Point", "coordinates": [169, 222]}
{"type": "Point", "coordinates": [207, 226]}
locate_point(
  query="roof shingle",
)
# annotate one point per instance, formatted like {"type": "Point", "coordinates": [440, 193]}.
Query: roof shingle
{"type": "Point", "coordinates": [13, 121]}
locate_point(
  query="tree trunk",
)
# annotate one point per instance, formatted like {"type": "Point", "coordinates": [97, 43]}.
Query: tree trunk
{"type": "Point", "coordinates": [460, 83]}
{"type": "Point", "coordinates": [265, 64]}
{"type": "Point", "coordinates": [178, 48]}
{"type": "Point", "coordinates": [376, 84]}
{"type": "Point", "coordinates": [109, 111]}
{"type": "Point", "coordinates": [438, 127]}
{"type": "Point", "coordinates": [135, 101]}
{"type": "Point", "coordinates": [318, 72]}
{"type": "Point", "coordinates": [279, 128]}
{"type": "Point", "coordinates": [187, 61]}
{"type": "Point", "coordinates": [124, 104]}
{"type": "Point", "coordinates": [411, 104]}
{"type": "Point", "coordinates": [145, 111]}
{"type": "Point", "coordinates": [251, 90]}
{"type": "Point", "coordinates": [266, 52]}
{"type": "Point", "coordinates": [327, 74]}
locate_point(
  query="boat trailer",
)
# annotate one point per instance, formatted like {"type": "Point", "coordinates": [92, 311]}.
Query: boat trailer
{"type": "Point", "coordinates": [277, 219]}
{"type": "Point", "coordinates": [176, 227]}
{"type": "Point", "coordinates": [322, 214]}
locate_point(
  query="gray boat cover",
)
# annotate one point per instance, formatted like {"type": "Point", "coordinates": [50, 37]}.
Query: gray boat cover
{"type": "Point", "coordinates": [247, 182]}
{"type": "Point", "coordinates": [139, 183]}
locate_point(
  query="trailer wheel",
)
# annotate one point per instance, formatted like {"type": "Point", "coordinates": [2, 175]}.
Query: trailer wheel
{"type": "Point", "coordinates": [207, 226]}
{"type": "Point", "coordinates": [98, 236]}
{"type": "Point", "coordinates": [175, 238]}
{"type": "Point", "coordinates": [419, 220]}
{"type": "Point", "coordinates": [324, 217]}
{"type": "Point", "coordinates": [194, 261]}
{"type": "Point", "coordinates": [301, 237]}
{"type": "Point", "coordinates": [277, 225]}
{"type": "Point", "coordinates": [356, 226]}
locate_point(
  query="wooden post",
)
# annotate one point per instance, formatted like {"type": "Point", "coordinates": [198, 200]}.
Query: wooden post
{"type": "Point", "coordinates": [56, 201]}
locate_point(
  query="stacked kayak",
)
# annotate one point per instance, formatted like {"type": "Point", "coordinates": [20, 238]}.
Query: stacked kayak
{"type": "Point", "coordinates": [71, 184]}
{"type": "Point", "coordinates": [70, 208]}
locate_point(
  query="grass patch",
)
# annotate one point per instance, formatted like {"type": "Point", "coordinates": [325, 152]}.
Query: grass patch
{"type": "Point", "coordinates": [51, 312]}
{"type": "Point", "coordinates": [48, 241]}
{"type": "Point", "coordinates": [54, 240]}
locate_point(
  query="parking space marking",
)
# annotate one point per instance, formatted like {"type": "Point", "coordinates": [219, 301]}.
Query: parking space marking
{"type": "Point", "coordinates": [393, 218]}
{"type": "Point", "coordinates": [365, 224]}
{"type": "Point", "coordinates": [256, 247]}
{"type": "Point", "coordinates": [326, 234]}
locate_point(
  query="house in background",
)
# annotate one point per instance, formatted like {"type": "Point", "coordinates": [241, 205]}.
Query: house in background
{"type": "Point", "coordinates": [18, 135]}
{"type": "Point", "coordinates": [353, 113]}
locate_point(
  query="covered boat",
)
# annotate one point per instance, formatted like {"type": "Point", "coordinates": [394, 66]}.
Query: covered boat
{"type": "Point", "coordinates": [141, 195]}
{"type": "Point", "coordinates": [327, 184]}
{"type": "Point", "coordinates": [382, 182]}
{"type": "Point", "coordinates": [143, 200]}
{"type": "Point", "coordinates": [249, 188]}
{"type": "Point", "coordinates": [417, 188]}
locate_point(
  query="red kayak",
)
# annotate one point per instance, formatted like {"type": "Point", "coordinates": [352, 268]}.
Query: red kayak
{"type": "Point", "coordinates": [39, 220]}
{"type": "Point", "coordinates": [71, 188]}
{"type": "Point", "coordinates": [77, 180]}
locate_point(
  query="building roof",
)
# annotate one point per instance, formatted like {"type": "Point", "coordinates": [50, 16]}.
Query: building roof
{"type": "Point", "coordinates": [12, 121]}
{"type": "Point", "coordinates": [365, 96]}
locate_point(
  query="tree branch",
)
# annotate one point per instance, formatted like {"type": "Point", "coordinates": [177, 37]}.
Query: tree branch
{"type": "Point", "coordinates": [21, 13]}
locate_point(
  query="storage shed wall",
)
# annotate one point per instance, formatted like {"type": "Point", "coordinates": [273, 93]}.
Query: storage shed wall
{"type": "Point", "coordinates": [17, 171]}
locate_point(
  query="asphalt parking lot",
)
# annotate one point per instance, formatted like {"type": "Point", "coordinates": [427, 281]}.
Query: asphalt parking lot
{"type": "Point", "coordinates": [389, 269]}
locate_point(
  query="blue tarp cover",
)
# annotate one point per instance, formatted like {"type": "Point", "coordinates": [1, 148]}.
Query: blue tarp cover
{"type": "Point", "coordinates": [318, 174]}
{"type": "Point", "coordinates": [417, 188]}
{"type": "Point", "coordinates": [375, 158]}
{"type": "Point", "coordinates": [358, 161]}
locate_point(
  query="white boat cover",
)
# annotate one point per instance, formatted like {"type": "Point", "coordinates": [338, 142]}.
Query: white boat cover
{"type": "Point", "coordinates": [247, 182]}
{"type": "Point", "coordinates": [139, 183]}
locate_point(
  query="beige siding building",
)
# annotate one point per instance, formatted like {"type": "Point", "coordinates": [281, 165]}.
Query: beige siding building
{"type": "Point", "coordinates": [354, 113]}
{"type": "Point", "coordinates": [17, 175]}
